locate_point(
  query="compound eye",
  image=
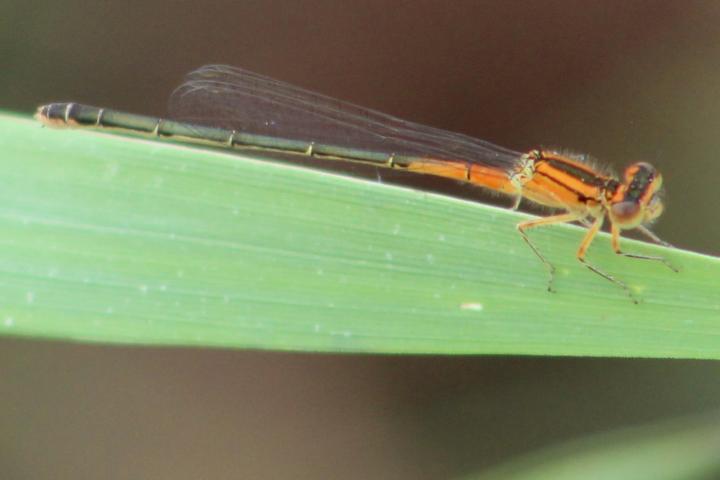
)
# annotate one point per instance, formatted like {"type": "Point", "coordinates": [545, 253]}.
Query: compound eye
{"type": "Point", "coordinates": [625, 212]}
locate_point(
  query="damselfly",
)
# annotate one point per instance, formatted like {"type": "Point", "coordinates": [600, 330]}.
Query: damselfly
{"type": "Point", "coordinates": [234, 108]}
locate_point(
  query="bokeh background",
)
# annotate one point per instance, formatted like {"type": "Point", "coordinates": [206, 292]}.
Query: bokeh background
{"type": "Point", "coordinates": [621, 80]}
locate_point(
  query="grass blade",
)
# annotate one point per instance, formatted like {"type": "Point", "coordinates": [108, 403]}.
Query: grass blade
{"type": "Point", "coordinates": [113, 239]}
{"type": "Point", "coordinates": [681, 449]}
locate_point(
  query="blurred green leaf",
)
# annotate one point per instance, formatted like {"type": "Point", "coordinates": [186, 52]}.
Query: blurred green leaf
{"type": "Point", "coordinates": [113, 239]}
{"type": "Point", "coordinates": [684, 449]}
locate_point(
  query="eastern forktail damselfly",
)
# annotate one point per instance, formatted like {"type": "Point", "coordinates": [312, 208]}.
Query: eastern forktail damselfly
{"type": "Point", "coordinates": [234, 108]}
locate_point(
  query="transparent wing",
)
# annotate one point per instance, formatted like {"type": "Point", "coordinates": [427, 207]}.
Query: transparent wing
{"type": "Point", "coordinates": [237, 99]}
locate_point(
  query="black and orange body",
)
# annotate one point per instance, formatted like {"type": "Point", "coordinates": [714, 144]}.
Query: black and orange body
{"type": "Point", "coordinates": [591, 197]}
{"type": "Point", "coordinates": [562, 182]}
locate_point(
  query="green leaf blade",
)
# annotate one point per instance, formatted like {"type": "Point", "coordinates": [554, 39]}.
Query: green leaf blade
{"type": "Point", "coordinates": [677, 449]}
{"type": "Point", "coordinates": [114, 239]}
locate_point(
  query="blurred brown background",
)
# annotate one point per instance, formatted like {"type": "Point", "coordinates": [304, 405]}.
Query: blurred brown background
{"type": "Point", "coordinates": [622, 80]}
